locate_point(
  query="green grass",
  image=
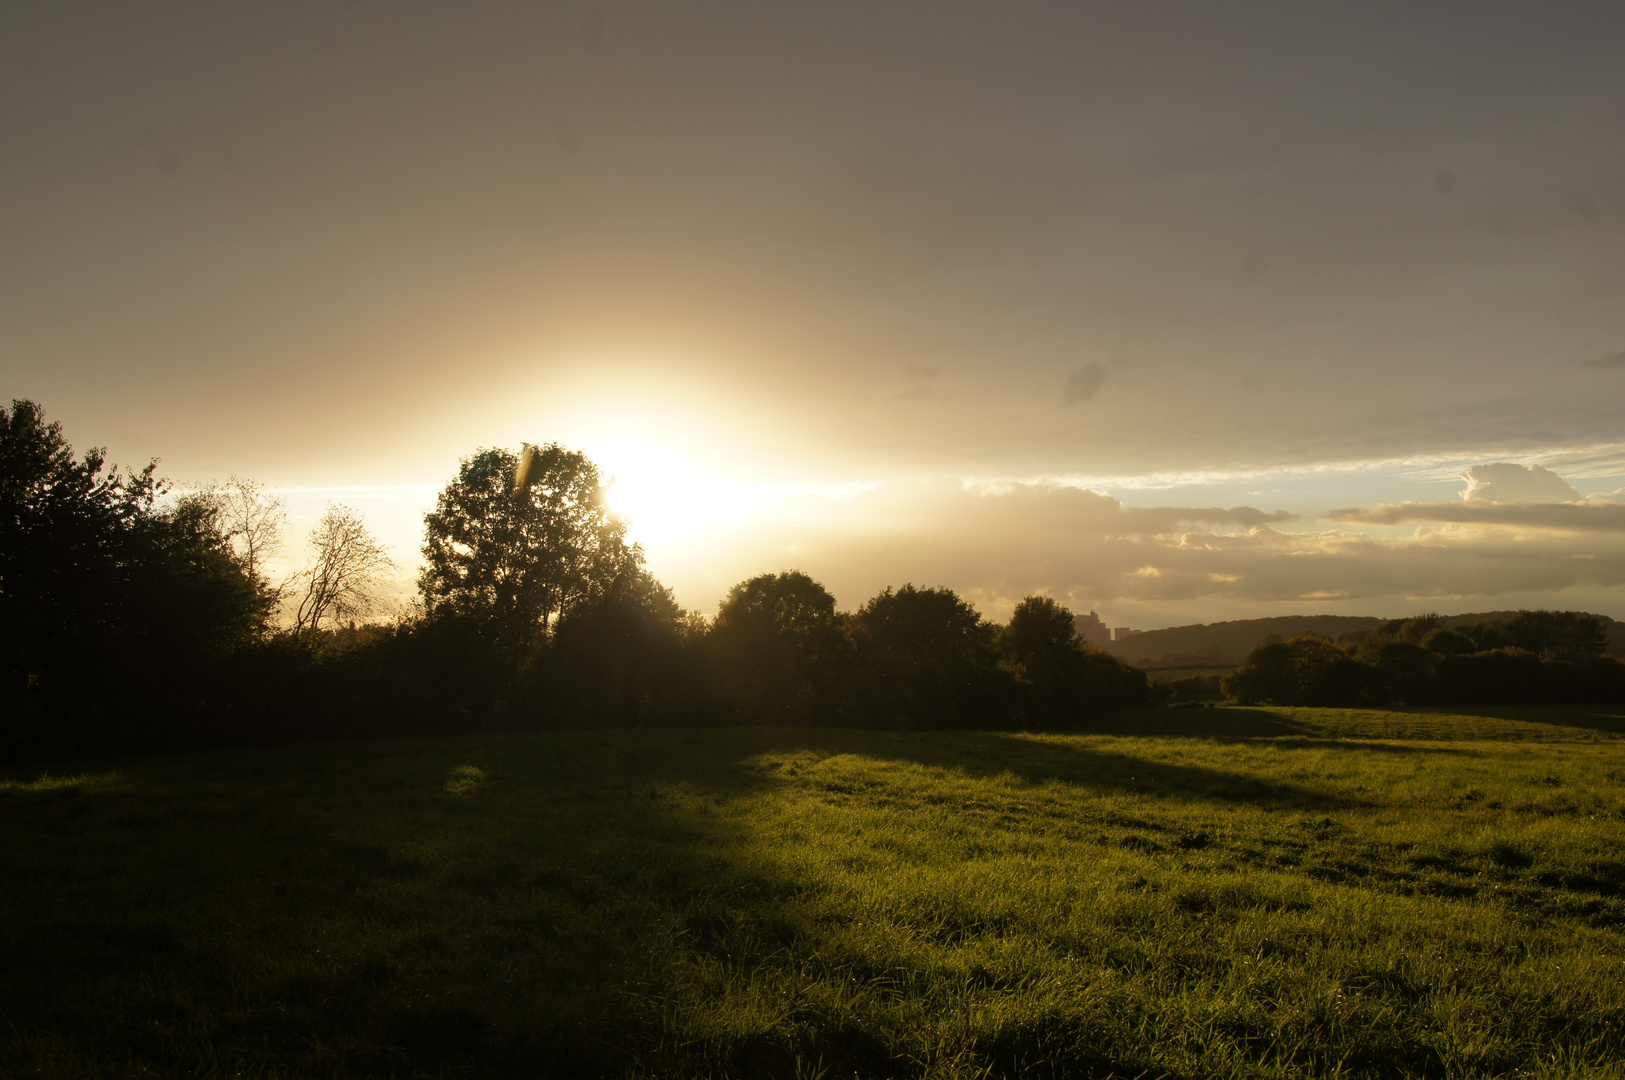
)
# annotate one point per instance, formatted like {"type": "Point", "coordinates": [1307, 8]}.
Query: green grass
{"type": "Point", "coordinates": [1204, 893]}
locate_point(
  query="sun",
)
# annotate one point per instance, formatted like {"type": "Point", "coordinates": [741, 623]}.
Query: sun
{"type": "Point", "coordinates": [665, 500]}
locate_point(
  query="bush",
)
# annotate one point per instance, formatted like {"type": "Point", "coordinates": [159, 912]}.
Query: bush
{"type": "Point", "coordinates": [1492, 677]}
{"type": "Point", "coordinates": [621, 661]}
{"type": "Point", "coordinates": [1403, 674]}
{"type": "Point", "coordinates": [1304, 670]}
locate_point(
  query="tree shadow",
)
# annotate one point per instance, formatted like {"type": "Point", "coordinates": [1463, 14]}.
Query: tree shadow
{"type": "Point", "coordinates": [1212, 723]}
{"type": "Point", "coordinates": [1605, 719]}
{"type": "Point", "coordinates": [1039, 759]}
{"type": "Point", "coordinates": [553, 891]}
{"type": "Point", "coordinates": [1371, 746]}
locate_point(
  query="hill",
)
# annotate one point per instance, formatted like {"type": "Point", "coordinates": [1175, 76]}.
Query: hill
{"type": "Point", "coordinates": [1220, 643]}
{"type": "Point", "coordinates": [1229, 642]}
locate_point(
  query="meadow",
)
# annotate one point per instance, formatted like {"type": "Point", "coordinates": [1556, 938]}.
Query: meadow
{"type": "Point", "coordinates": [1174, 893]}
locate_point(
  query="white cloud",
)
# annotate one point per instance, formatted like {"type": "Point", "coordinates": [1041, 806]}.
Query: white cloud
{"type": "Point", "coordinates": [1505, 482]}
{"type": "Point", "coordinates": [1561, 517]}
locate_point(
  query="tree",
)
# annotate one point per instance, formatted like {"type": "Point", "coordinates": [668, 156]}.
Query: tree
{"type": "Point", "coordinates": [1063, 677]}
{"type": "Point", "coordinates": [346, 573]}
{"type": "Point", "coordinates": [1568, 634]}
{"type": "Point", "coordinates": [112, 610]}
{"type": "Point", "coordinates": [1303, 670]}
{"type": "Point", "coordinates": [1449, 642]}
{"type": "Point", "coordinates": [1042, 636]}
{"type": "Point", "coordinates": [779, 647]}
{"type": "Point", "coordinates": [928, 659]}
{"type": "Point", "coordinates": [620, 660]}
{"type": "Point", "coordinates": [514, 556]}
{"type": "Point", "coordinates": [250, 520]}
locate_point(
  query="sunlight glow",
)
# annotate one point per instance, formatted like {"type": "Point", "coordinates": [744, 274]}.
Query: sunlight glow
{"type": "Point", "coordinates": [665, 500]}
{"type": "Point", "coordinates": [673, 505]}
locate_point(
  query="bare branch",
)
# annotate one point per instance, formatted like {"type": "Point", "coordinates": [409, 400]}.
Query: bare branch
{"type": "Point", "coordinates": [347, 571]}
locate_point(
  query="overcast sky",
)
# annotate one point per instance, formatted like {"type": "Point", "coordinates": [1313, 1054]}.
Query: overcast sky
{"type": "Point", "coordinates": [939, 292]}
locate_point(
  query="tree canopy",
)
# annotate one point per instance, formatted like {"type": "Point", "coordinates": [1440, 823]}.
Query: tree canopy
{"type": "Point", "coordinates": [109, 603]}
{"type": "Point", "coordinates": [516, 558]}
{"type": "Point", "coordinates": [781, 645]}
{"type": "Point", "coordinates": [928, 659]}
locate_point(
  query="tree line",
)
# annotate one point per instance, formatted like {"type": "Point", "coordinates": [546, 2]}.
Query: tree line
{"type": "Point", "coordinates": [1532, 657]}
{"type": "Point", "coordinates": [133, 616]}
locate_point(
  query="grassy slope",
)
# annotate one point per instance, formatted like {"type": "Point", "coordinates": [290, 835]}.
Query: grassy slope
{"type": "Point", "coordinates": [1202, 893]}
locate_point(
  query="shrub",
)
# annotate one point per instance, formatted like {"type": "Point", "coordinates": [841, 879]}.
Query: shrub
{"type": "Point", "coordinates": [1303, 670]}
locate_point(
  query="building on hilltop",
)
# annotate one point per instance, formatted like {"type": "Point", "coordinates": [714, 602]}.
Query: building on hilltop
{"type": "Point", "coordinates": [1092, 630]}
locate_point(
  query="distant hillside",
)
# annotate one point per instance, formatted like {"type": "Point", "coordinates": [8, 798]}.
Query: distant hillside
{"type": "Point", "coordinates": [1230, 642]}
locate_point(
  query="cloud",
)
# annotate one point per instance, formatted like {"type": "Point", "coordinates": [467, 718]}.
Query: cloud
{"type": "Point", "coordinates": [1153, 520]}
{"type": "Point", "coordinates": [1612, 360]}
{"type": "Point", "coordinates": [996, 545]}
{"type": "Point", "coordinates": [1505, 482]}
{"type": "Point", "coordinates": [1083, 384]}
{"type": "Point", "coordinates": [1560, 517]}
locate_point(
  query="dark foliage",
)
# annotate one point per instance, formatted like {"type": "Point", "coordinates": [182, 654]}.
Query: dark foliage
{"type": "Point", "coordinates": [1568, 634]}
{"type": "Point", "coordinates": [128, 621]}
{"type": "Point", "coordinates": [1197, 688]}
{"type": "Point", "coordinates": [779, 652]}
{"type": "Point", "coordinates": [117, 617]}
{"type": "Point", "coordinates": [927, 659]}
{"type": "Point", "coordinates": [515, 557]}
{"type": "Point", "coordinates": [1304, 670]}
{"type": "Point", "coordinates": [621, 660]}
{"type": "Point", "coordinates": [1532, 657]}
{"type": "Point", "coordinates": [1062, 679]}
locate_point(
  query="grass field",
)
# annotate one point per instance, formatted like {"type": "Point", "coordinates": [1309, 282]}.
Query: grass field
{"type": "Point", "coordinates": [1203, 893]}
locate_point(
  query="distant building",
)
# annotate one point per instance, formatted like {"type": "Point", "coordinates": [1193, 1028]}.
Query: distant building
{"type": "Point", "coordinates": [1121, 632]}
{"type": "Point", "coordinates": [1092, 630]}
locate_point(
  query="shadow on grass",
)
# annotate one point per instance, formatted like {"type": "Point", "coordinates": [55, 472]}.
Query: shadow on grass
{"type": "Point", "coordinates": [1036, 759]}
{"type": "Point", "coordinates": [1211, 723]}
{"type": "Point", "coordinates": [1607, 719]}
{"type": "Point", "coordinates": [356, 909]}
{"type": "Point", "coordinates": [539, 905]}
{"type": "Point", "coordinates": [1366, 746]}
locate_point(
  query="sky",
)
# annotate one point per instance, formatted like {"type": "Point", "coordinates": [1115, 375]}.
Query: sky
{"type": "Point", "coordinates": [1177, 312]}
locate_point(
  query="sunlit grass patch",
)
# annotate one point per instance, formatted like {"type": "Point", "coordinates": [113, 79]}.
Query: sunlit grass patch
{"type": "Point", "coordinates": [465, 780]}
{"type": "Point", "coordinates": [65, 782]}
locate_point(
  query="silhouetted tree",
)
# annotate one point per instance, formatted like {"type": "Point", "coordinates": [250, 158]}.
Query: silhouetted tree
{"type": "Point", "coordinates": [1404, 673]}
{"type": "Point", "coordinates": [1303, 670]}
{"type": "Point", "coordinates": [1492, 677]}
{"type": "Point", "coordinates": [779, 649]}
{"type": "Point", "coordinates": [1041, 635]}
{"type": "Point", "coordinates": [346, 574]}
{"type": "Point", "coordinates": [1064, 678]}
{"type": "Point", "coordinates": [927, 659]}
{"type": "Point", "coordinates": [1446, 641]}
{"type": "Point", "coordinates": [620, 659]}
{"type": "Point", "coordinates": [1411, 631]}
{"type": "Point", "coordinates": [515, 557]}
{"type": "Point", "coordinates": [113, 611]}
{"type": "Point", "coordinates": [251, 519]}
{"type": "Point", "coordinates": [1569, 634]}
